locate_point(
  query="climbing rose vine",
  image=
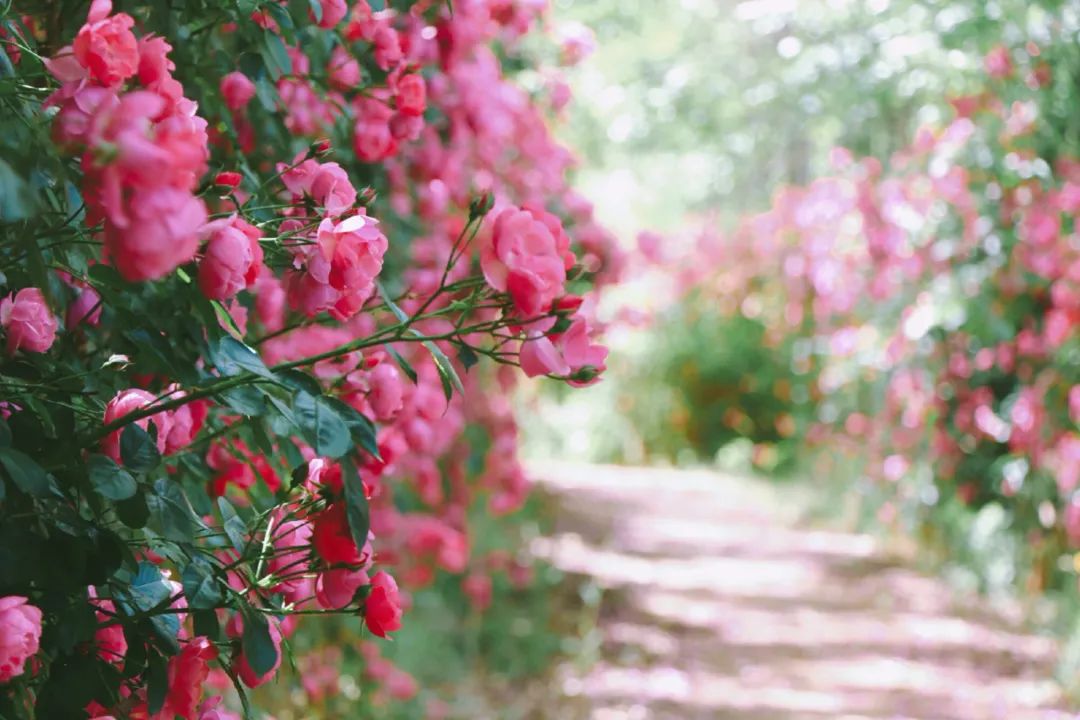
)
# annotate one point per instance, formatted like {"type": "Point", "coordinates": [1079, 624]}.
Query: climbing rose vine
{"type": "Point", "coordinates": [264, 264]}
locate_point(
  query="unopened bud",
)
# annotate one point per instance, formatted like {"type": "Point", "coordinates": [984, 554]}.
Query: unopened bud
{"type": "Point", "coordinates": [228, 179]}
{"type": "Point", "coordinates": [481, 206]}
{"type": "Point", "coordinates": [319, 148]}
{"type": "Point", "coordinates": [366, 196]}
{"type": "Point", "coordinates": [568, 303]}
{"type": "Point", "coordinates": [585, 374]}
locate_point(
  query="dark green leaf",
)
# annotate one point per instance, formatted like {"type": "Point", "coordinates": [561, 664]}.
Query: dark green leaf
{"type": "Point", "coordinates": [206, 624]}
{"type": "Point", "coordinates": [321, 425]}
{"type": "Point", "coordinates": [360, 427]}
{"type": "Point", "coordinates": [467, 357]}
{"type": "Point", "coordinates": [137, 449]}
{"type": "Point", "coordinates": [356, 505]}
{"type": "Point", "coordinates": [447, 374]}
{"type": "Point", "coordinates": [134, 512]}
{"type": "Point", "coordinates": [5, 434]}
{"type": "Point", "coordinates": [232, 357]}
{"type": "Point", "coordinates": [157, 683]}
{"type": "Point", "coordinates": [200, 585]}
{"type": "Point", "coordinates": [171, 511]}
{"type": "Point", "coordinates": [276, 56]}
{"type": "Point", "coordinates": [110, 480]}
{"type": "Point", "coordinates": [403, 364]}
{"type": "Point", "coordinates": [26, 474]}
{"type": "Point", "coordinates": [257, 644]}
{"type": "Point", "coordinates": [235, 527]}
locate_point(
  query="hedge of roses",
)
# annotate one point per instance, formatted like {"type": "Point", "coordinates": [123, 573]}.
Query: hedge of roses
{"type": "Point", "coordinates": [931, 301]}
{"type": "Point", "coordinates": [269, 271]}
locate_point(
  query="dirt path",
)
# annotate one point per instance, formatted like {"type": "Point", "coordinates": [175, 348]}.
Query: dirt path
{"type": "Point", "coordinates": [717, 605]}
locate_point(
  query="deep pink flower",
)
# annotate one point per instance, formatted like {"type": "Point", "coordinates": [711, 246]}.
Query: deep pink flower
{"type": "Point", "coordinates": [237, 90]}
{"type": "Point", "coordinates": [187, 672]}
{"type": "Point", "coordinates": [27, 321]}
{"type": "Point", "coordinates": [523, 257]}
{"type": "Point", "coordinates": [85, 309]}
{"type": "Point", "coordinates": [106, 46]}
{"type": "Point", "coordinates": [336, 588]}
{"type": "Point", "coordinates": [411, 94]}
{"type": "Point", "coordinates": [330, 188]}
{"type": "Point", "coordinates": [333, 12]}
{"type": "Point", "coordinates": [382, 610]}
{"type": "Point", "coordinates": [343, 70]}
{"type": "Point", "coordinates": [125, 402]}
{"type": "Point", "coordinates": [386, 390]}
{"type": "Point", "coordinates": [162, 233]}
{"type": "Point", "coordinates": [20, 633]}
{"type": "Point", "coordinates": [232, 261]}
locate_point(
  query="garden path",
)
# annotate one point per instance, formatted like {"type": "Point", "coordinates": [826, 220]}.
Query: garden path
{"type": "Point", "coordinates": [718, 604]}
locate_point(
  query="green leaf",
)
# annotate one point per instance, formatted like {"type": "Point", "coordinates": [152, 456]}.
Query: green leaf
{"type": "Point", "coordinates": [403, 364]}
{"type": "Point", "coordinates": [206, 624]}
{"type": "Point", "coordinates": [316, 10]}
{"type": "Point", "coordinates": [398, 312]}
{"type": "Point", "coordinates": [110, 480]}
{"type": "Point", "coordinates": [232, 357]}
{"type": "Point", "coordinates": [321, 425]}
{"type": "Point", "coordinates": [201, 588]}
{"type": "Point", "coordinates": [356, 505]}
{"type": "Point", "coordinates": [276, 56]}
{"type": "Point", "coordinates": [137, 449]}
{"type": "Point", "coordinates": [171, 511]}
{"type": "Point", "coordinates": [134, 512]}
{"type": "Point", "coordinates": [257, 644]}
{"type": "Point", "coordinates": [467, 357]}
{"type": "Point", "coordinates": [361, 429]}
{"type": "Point", "coordinates": [447, 374]}
{"type": "Point", "coordinates": [157, 683]}
{"type": "Point", "coordinates": [299, 380]}
{"type": "Point", "coordinates": [225, 318]}
{"type": "Point", "coordinates": [27, 475]}
{"type": "Point", "coordinates": [5, 434]}
{"type": "Point", "coordinates": [17, 201]}
{"type": "Point", "coordinates": [234, 526]}
{"type": "Point", "coordinates": [148, 590]}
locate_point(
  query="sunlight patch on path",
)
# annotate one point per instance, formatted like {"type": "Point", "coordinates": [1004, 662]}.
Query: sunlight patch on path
{"type": "Point", "coordinates": [719, 606]}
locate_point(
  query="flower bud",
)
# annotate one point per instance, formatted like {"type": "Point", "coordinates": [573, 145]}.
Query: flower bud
{"type": "Point", "coordinates": [228, 179]}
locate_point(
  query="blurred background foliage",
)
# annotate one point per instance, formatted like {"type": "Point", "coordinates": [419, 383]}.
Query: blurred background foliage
{"type": "Point", "coordinates": [707, 106]}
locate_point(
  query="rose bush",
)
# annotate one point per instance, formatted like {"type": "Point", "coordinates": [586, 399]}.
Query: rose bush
{"type": "Point", "coordinates": [300, 249]}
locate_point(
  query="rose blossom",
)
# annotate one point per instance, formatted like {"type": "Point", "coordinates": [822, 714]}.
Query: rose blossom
{"type": "Point", "coordinates": [26, 319]}
{"type": "Point", "coordinates": [232, 261]}
{"type": "Point", "coordinates": [382, 610]}
{"type": "Point", "coordinates": [237, 90]}
{"type": "Point", "coordinates": [523, 258]}
{"type": "Point", "coordinates": [106, 46]}
{"type": "Point", "coordinates": [125, 402]}
{"type": "Point", "coordinates": [20, 633]}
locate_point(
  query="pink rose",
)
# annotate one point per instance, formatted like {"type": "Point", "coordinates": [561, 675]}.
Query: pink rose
{"type": "Point", "coordinates": [382, 610]}
{"type": "Point", "coordinates": [387, 391]}
{"type": "Point", "coordinates": [233, 260]}
{"type": "Point", "coordinates": [330, 187]}
{"type": "Point", "coordinates": [387, 47]}
{"type": "Point", "coordinates": [335, 588]}
{"type": "Point", "coordinates": [162, 233]}
{"type": "Point", "coordinates": [343, 70]}
{"type": "Point", "coordinates": [373, 141]}
{"type": "Point", "coordinates": [26, 319]}
{"type": "Point", "coordinates": [411, 95]}
{"type": "Point", "coordinates": [86, 308]}
{"type": "Point", "coordinates": [292, 546]}
{"type": "Point", "coordinates": [523, 257]}
{"type": "Point", "coordinates": [187, 673]}
{"type": "Point", "coordinates": [237, 90]}
{"type": "Point", "coordinates": [126, 402]}
{"type": "Point", "coordinates": [106, 46]}
{"type": "Point", "coordinates": [333, 12]}
{"type": "Point", "coordinates": [20, 633]}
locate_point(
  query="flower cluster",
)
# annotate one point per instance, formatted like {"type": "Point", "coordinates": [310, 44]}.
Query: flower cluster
{"type": "Point", "coordinates": [301, 254]}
